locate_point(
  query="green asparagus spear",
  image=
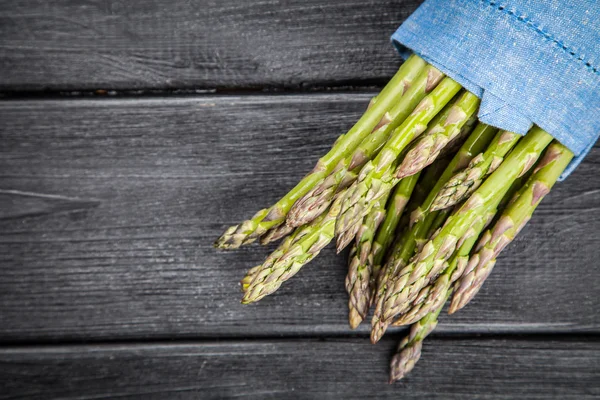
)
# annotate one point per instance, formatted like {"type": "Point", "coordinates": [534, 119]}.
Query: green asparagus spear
{"type": "Point", "coordinates": [409, 349]}
{"type": "Point", "coordinates": [428, 147]}
{"type": "Point", "coordinates": [287, 260]}
{"type": "Point", "coordinates": [456, 143]}
{"type": "Point", "coordinates": [386, 232]}
{"type": "Point", "coordinates": [319, 198]}
{"type": "Point", "coordinates": [422, 220]}
{"type": "Point", "coordinates": [434, 296]}
{"type": "Point", "coordinates": [466, 181]}
{"type": "Point", "coordinates": [513, 219]}
{"type": "Point", "coordinates": [250, 230]}
{"type": "Point", "coordinates": [360, 266]}
{"type": "Point", "coordinates": [427, 181]}
{"type": "Point", "coordinates": [407, 284]}
{"type": "Point", "coordinates": [424, 319]}
{"type": "Point", "coordinates": [376, 178]}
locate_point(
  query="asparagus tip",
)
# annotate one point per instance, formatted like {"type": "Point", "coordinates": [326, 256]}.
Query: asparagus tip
{"type": "Point", "coordinates": [354, 318]}
{"type": "Point", "coordinates": [453, 306]}
{"type": "Point", "coordinates": [404, 361]}
{"type": "Point", "coordinates": [377, 331]}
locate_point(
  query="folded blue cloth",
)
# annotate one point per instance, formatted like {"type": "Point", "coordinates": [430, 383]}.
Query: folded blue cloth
{"type": "Point", "coordinates": [530, 61]}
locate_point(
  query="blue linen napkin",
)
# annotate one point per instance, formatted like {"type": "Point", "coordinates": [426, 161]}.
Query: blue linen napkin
{"type": "Point", "coordinates": [530, 61]}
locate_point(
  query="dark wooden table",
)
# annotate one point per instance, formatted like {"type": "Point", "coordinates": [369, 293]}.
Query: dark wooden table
{"type": "Point", "coordinates": [133, 132]}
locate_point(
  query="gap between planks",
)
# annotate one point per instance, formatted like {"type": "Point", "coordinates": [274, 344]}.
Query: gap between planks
{"type": "Point", "coordinates": [443, 332]}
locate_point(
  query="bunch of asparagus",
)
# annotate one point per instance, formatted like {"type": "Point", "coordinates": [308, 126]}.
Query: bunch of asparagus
{"type": "Point", "coordinates": [427, 196]}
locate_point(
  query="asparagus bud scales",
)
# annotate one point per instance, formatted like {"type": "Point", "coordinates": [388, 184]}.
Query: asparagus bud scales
{"type": "Point", "coordinates": [429, 146]}
{"type": "Point", "coordinates": [376, 179]}
{"type": "Point", "coordinates": [285, 245]}
{"type": "Point", "coordinates": [249, 231]}
{"type": "Point", "coordinates": [385, 233]}
{"type": "Point", "coordinates": [466, 181]}
{"type": "Point", "coordinates": [426, 182]}
{"type": "Point", "coordinates": [317, 199]}
{"type": "Point", "coordinates": [412, 279]}
{"type": "Point", "coordinates": [409, 350]}
{"type": "Point", "coordinates": [290, 257]}
{"type": "Point", "coordinates": [516, 215]}
{"type": "Point", "coordinates": [423, 221]}
{"type": "Point", "coordinates": [431, 296]}
{"type": "Point", "coordinates": [456, 143]}
{"type": "Point", "coordinates": [360, 266]}
{"type": "Point", "coordinates": [275, 234]}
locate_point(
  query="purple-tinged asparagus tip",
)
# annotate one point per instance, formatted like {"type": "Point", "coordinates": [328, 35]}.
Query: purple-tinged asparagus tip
{"type": "Point", "coordinates": [358, 159]}
{"type": "Point", "coordinates": [540, 190]}
{"type": "Point", "coordinates": [386, 119]}
{"type": "Point", "coordinates": [434, 76]}
{"type": "Point", "coordinates": [504, 223]}
{"type": "Point", "coordinates": [455, 115]}
{"type": "Point", "coordinates": [553, 153]}
{"type": "Point", "coordinates": [474, 202]}
{"type": "Point", "coordinates": [274, 214]}
{"type": "Point", "coordinates": [531, 159]}
{"type": "Point", "coordinates": [354, 318]}
{"type": "Point", "coordinates": [506, 137]}
{"type": "Point", "coordinates": [377, 331]}
{"type": "Point", "coordinates": [402, 363]}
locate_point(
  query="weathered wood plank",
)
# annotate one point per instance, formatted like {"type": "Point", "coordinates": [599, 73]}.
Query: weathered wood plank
{"type": "Point", "coordinates": [89, 45]}
{"type": "Point", "coordinates": [110, 208]}
{"type": "Point", "coordinates": [305, 369]}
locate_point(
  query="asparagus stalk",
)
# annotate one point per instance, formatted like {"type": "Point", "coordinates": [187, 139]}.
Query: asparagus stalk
{"type": "Point", "coordinates": [431, 226]}
{"type": "Point", "coordinates": [386, 232]}
{"type": "Point", "coordinates": [360, 266]}
{"type": "Point", "coordinates": [427, 181]}
{"type": "Point", "coordinates": [287, 260]}
{"type": "Point", "coordinates": [456, 143]}
{"type": "Point", "coordinates": [434, 296]}
{"type": "Point", "coordinates": [406, 285]}
{"type": "Point", "coordinates": [478, 140]}
{"type": "Point", "coordinates": [424, 319]}
{"type": "Point", "coordinates": [275, 234]}
{"type": "Point", "coordinates": [409, 349]}
{"type": "Point", "coordinates": [466, 181]}
{"type": "Point", "coordinates": [282, 249]}
{"type": "Point", "coordinates": [513, 219]}
{"type": "Point", "coordinates": [429, 146]}
{"type": "Point", "coordinates": [250, 230]}
{"type": "Point", "coordinates": [376, 178]}
{"type": "Point", "coordinates": [318, 199]}
{"type": "Point", "coordinates": [348, 236]}
{"type": "Point", "coordinates": [436, 226]}
{"type": "Point", "coordinates": [446, 126]}
{"type": "Point", "coordinates": [422, 220]}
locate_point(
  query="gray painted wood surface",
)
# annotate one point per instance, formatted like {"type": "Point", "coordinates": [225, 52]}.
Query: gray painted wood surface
{"type": "Point", "coordinates": [109, 286]}
{"type": "Point", "coordinates": [141, 44]}
{"type": "Point", "coordinates": [113, 206]}
{"type": "Point", "coordinates": [450, 368]}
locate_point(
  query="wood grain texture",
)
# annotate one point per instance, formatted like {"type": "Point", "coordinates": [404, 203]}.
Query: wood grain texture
{"type": "Point", "coordinates": [305, 369]}
{"type": "Point", "coordinates": [110, 208]}
{"type": "Point", "coordinates": [205, 44]}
